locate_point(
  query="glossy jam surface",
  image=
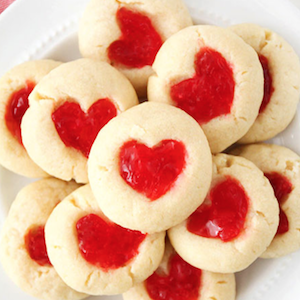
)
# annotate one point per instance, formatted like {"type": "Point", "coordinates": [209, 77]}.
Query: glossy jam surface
{"type": "Point", "coordinates": [107, 245]}
{"type": "Point", "coordinates": [225, 217]}
{"type": "Point", "coordinates": [139, 42]}
{"type": "Point", "coordinates": [268, 83]}
{"type": "Point", "coordinates": [15, 110]}
{"type": "Point", "coordinates": [78, 129]}
{"type": "Point", "coordinates": [182, 283]}
{"type": "Point", "coordinates": [36, 246]}
{"type": "Point", "coordinates": [282, 188]}
{"type": "Point", "coordinates": [152, 171]}
{"type": "Point", "coordinates": [209, 94]}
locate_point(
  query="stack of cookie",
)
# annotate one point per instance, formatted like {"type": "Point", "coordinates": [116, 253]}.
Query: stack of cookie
{"type": "Point", "coordinates": [151, 168]}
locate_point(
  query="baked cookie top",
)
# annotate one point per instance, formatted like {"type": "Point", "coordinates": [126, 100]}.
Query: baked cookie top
{"type": "Point", "coordinates": [145, 162]}
{"type": "Point", "coordinates": [214, 76]}
{"type": "Point", "coordinates": [23, 251]}
{"type": "Point", "coordinates": [281, 81]}
{"type": "Point", "coordinates": [177, 280]}
{"type": "Point", "coordinates": [15, 87]}
{"type": "Point", "coordinates": [128, 34]}
{"type": "Point", "coordinates": [67, 110]}
{"type": "Point", "coordinates": [236, 222]}
{"type": "Point", "coordinates": [282, 167]}
{"type": "Point", "coordinates": [94, 255]}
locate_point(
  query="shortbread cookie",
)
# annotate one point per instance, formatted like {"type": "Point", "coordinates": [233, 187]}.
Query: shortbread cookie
{"type": "Point", "coordinates": [15, 87]}
{"type": "Point", "coordinates": [150, 168]}
{"type": "Point", "coordinates": [282, 81]}
{"type": "Point", "coordinates": [22, 249]}
{"type": "Point", "coordinates": [177, 280]}
{"type": "Point", "coordinates": [235, 224]}
{"type": "Point", "coordinates": [214, 76]}
{"type": "Point", "coordinates": [67, 110]}
{"type": "Point", "coordinates": [282, 167]}
{"type": "Point", "coordinates": [128, 34]}
{"type": "Point", "coordinates": [94, 255]}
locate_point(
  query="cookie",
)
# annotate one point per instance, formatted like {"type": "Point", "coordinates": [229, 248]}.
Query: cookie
{"type": "Point", "coordinates": [67, 110]}
{"type": "Point", "coordinates": [214, 76]}
{"type": "Point", "coordinates": [282, 167]}
{"type": "Point", "coordinates": [281, 81]}
{"type": "Point", "coordinates": [15, 87]}
{"type": "Point", "coordinates": [145, 162]}
{"type": "Point", "coordinates": [23, 251]}
{"type": "Point", "coordinates": [94, 255]}
{"type": "Point", "coordinates": [235, 224]}
{"type": "Point", "coordinates": [176, 279]}
{"type": "Point", "coordinates": [128, 34]}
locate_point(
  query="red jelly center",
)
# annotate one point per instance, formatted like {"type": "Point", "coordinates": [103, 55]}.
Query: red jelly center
{"type": "Point", "coordinates": [16, 108]}
{"type": "Point", "coordinates": [209, 94]}
{"type": "Point", "coordinates": [182, 282]}
{"type": "Point", "coordinates": [282, 188]}
{"type": "Point", "coordinates": [268, 87]}
{"type": "Point", "coordinates": [107, 245]}
{"type": "Point", "coordinates": [36, 246]}
{"type": "Point", "coordinates": [152, 171]}
{"type": "Point", "coordinates": [225, 217]}
{"type": "Point", "coordinates": [139, 42]}
{"type": "Point", "coordinates": [78, 129]}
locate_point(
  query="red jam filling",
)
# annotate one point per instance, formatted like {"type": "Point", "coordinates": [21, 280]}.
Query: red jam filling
{"type": "Point", "coordinates": [36, 246]}
{"type": "Point", "coordinates": [152, 171]}
{"type": "Point", "coordinates": [282, 188]}
{"type": "Point", "coordinates": [225, 217]}
{"type": "Point", "coordinates": [268, 87]}
{"type": "Point", "coordinates": [209, 94]}
{"type": "Point", "coordinates": [182, 282]}
{"type": "Point", "coordinates": [78, 129]}
{"type": "Point", "coordinates": [107, 245]}
{"type": "Point", "coordinates": [139, 42]}
{"type": "Point", "coordinates": [16, 108]}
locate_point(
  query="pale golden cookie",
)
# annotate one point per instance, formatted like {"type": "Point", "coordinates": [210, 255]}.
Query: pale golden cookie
{"type": "Point", "coordinates": [108, 276]}
{"type": "Point", "coordinates": [28, 215]}
{"type": "Point", "coordinates": [82, 83]}
{"type": "Point", "coordinates": [201, 54]}
{"type": "Point", "coordinates": [145, 162]}
{"type": "Point", "coordinates": [13, 155]}
{"type": "Point", "coordinates": [208, 246]}
{"type": "Point", "coordinates": [273, 159]}
{"type": "Point", "coordinates": [100, 28]}
{"type": "Point", "coordinates": [283, 68]}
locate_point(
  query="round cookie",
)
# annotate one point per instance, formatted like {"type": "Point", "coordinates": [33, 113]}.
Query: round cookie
{"type": "Point", "coordinates": [92, 254]}
{"type": "Point", "coordinates": [67, 110]}
{"type": "Point", "coordinates": [145, 162]}
{"type": "Point", "coordinates": [128, 34]}
{"type": "Point", "coordinates": [191, 283]}
{"type": "Point", "coordinates": [22, 249]}
{"type": "Point", "coordinates": [282, 167]}
{"type": "Point", "coordinates": [235, 224]}
{"type": "Point", "coordinates": [214, 76]}
{"type": "Point", "coordinates": [282, 81]}
{"type": "Point", "coordinates": [15, 87]}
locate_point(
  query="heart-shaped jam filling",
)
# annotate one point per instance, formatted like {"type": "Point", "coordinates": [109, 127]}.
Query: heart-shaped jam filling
{"type": "Point", "coordinates": [209, 94]}
{"type": "Point", "coordinates": [139, 42]}
{"type": "Point", "coordinates": [78, 129]}
{"type": "Point", "coordinates": [225, 216]}
{"type": "Point", "coordinates": [16, 108]}
{"type": "Point", "coordinates": [107, 245]}
{"type": "Point", "coordinates": [36, 246]}
{"type": "Point", "coordinates": [182, 283]}
{"type": "Point", "coordinates": [282, 188]}
{"type": "Point", "coordinates": [152, 171]}
{"type": "Point", "coordinates": [268, 83]}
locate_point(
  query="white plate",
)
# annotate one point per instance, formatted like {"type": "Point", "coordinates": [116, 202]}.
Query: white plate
{"type": "Point", "coordinates": [31, 29]}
